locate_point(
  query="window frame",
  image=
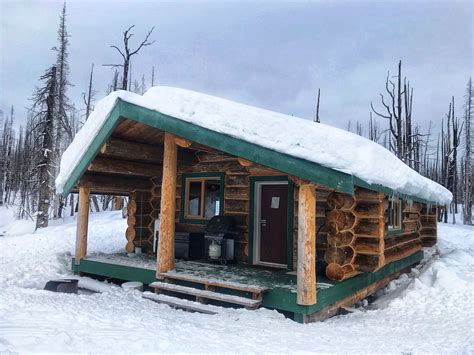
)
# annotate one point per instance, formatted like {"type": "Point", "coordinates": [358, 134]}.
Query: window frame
{"type": "Point", "coordinates": [203, 177]}
{"type": "Point", "coordinates": [395, 228]}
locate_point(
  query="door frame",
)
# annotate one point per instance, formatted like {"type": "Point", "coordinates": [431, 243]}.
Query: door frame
{"type": "Point", "coordinates": [254, 211]}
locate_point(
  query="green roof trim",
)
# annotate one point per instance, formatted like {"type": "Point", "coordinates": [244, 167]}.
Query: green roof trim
{"type": "Point", "coordinates": [250, 151]}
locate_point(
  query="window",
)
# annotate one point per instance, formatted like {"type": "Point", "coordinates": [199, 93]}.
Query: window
{"type": "Point", "coordinates": [202, 196]}
{"type": "Point", "coordinates": [394, 212]}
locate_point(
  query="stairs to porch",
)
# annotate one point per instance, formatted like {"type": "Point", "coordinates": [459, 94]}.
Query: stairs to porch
{"type": "Point", "coordinates": [203, 290]}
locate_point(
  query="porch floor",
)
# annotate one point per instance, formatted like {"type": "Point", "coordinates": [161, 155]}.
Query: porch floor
{"type": "Point", "coordinates": [281, 284]}
{"type": "Point", "coordinates": [235, 273]}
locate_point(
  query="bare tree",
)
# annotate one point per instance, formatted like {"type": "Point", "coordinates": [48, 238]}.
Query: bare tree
{"type": "Point", "coordinates": [89, 95]}
{"type": "Point", "coordinates": [127, 53]}
{"type": "Point", "coordinates": [316, 117]}
{"type": "Point", "coordinates": [45, 101]}
{"type": "Point", "coordinates": [467, 171]}
{"type": "Point", "coordinates": [398, 112]}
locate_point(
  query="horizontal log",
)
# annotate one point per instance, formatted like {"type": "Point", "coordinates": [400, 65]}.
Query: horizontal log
{"type": "Point", "coordinates": [124, 167]}
{"type": "Point", "coordinates": [339, 273]}
{"type": "Point", "coordinates": [337, 200]}
{"type": "Point", "coordinates": [204, 157]}
{"type": "Point", "coordinates": [128, 150]}
{"type": "Point", "coordinates": [182, 142]}
{"type": "Point", "coordinates": [397, 240]}
{"type": "Point", "coordinates": [369, 209]}
{"type": "Point", "coordinates": [428, 241]}
{"type": "Point", "coordinates": [244, 162]}
{"type": "Point", "coordinates": [339, 256]}
{"type": "Point", "coordinates": [428, 231]}
{"type": "Point", "coordinates": [236, 206]}
{"type": "Point", "coordinates": [339, 220]}
{"type": "Point", "coordinates": [236, 193]}
{"type": "Point", "coordinates": [368, 227]}
{"type": "Point", "coordinates": [361, 194]}
{"type": "Point", "coordinates": [236, 180]}
{"type": "Point", "coordinates": [368, 245]}
{"type": "Point", "coordinates": [113, 184]}
{"type": "Point", "coordinates": [340, 239]}
{"type": "Point", "coordinates": [410, 225]}
{"type": "Point", "coordinates": [368, 262]}
{"type": "Point", "coordinates": [403, 251]}
{"type": "Point", "coordinates": [412, 208]}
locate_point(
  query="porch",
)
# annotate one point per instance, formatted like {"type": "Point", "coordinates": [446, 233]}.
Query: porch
{"type": "Point", "coordinates": [280, 285]}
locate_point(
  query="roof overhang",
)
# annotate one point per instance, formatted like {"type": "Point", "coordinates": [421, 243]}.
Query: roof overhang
{"type": "Point", "coordinates": [289, 164]}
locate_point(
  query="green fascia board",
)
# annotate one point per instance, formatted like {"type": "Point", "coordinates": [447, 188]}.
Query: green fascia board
{"type": "Point", "coordinates": [390, 192]}
{"type": "Point", "coordinates": [105, 132]}
{"type": "Point", "coordinates": [220, 141]}
{"type": "Point", "coordinates": [283, 162]}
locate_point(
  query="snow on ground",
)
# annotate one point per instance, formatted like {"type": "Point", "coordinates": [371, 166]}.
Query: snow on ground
{"type": "Point", "coordinates": [431, 313]}
{"type": "Point", "coordinates": [319, 143]}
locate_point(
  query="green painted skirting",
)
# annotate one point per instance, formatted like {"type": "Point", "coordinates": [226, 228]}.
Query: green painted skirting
{"type": "Point", "coordinates": [277, 298]}
{"type": "Point", "coordinates": [119, 272]}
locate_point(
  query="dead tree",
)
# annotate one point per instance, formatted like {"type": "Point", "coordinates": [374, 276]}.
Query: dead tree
{"type": "Point", "coordinates": [467, 171]}
{"type": "Point", "coordinates": [450, 140]}
{"type": "Point", "coordinates": [44, 101]}
{"type": "Point", "coordinates": [316, 117]}
{"type": "Point", "coordinates": [2, 158]}
{"type": "Point", "coordinates": [374, 129]}
{"type": "Point", "coordinates": [398, 112]}
{"type": "Point", "coordinates": [89, 95]}
{"type": "Point", "coordinates": [127, 54]}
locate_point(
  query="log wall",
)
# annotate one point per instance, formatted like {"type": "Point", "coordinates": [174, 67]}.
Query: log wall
{"type": "Point", "coordinates": [144, 206]}
{"type": "Point", "coordinates": [355, 226]}
{"type": "Point", "coordinates": [358, 239]}
{"type": "Point", "coordinates": [428, 222]}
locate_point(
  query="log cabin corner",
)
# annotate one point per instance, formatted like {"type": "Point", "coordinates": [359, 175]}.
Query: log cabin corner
{"type": "Point", "coordinates": [299, 237]}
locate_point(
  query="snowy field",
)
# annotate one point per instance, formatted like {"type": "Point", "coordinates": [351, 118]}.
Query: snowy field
{"type": "Point", "coordinates": [428, 311]}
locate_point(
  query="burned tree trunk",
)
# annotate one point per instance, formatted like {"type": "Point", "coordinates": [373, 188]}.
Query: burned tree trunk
{"type": "Point", "coordinates": [46, 99]}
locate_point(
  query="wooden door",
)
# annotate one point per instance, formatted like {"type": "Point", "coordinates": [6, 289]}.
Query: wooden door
{"type": "Point", "coordinates": [273, 224]}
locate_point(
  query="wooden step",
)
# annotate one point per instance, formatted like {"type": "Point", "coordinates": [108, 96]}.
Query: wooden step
{"type": "Point", "coordinates": [204, 294]}
{"type": "Point", "coordinates": [210, 282]}
{"type": "Point", "coordinates": [179, 303]}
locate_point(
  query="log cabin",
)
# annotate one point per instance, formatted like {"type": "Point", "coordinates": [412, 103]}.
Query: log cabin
{"type": "Point", "coordinates": [309, 218]}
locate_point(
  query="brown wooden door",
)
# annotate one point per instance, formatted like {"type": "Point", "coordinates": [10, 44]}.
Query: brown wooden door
{"type": "Point", "coordinates": [273, 223]}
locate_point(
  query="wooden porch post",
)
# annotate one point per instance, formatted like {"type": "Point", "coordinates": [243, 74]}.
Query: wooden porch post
{"type": "Point", "coordinates": [82, 225]}
{"type": "Point", "coordinates": [165, 253]}
{"type": "Point", "coordinates": [306, 268]}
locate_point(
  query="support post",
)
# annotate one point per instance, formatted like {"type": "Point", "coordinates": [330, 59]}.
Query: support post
{"type": "Point", "coordinates": [82, 225]}
{"type": "Point", "coordinates": [165, 253]}
{"type": "Point", "coordinates": [306, 266]}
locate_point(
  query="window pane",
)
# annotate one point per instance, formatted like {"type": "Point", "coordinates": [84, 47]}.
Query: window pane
{"type": "Point", "coordinates": [211, 201]}
{"type": "Point", "coordinates": [194, 201]}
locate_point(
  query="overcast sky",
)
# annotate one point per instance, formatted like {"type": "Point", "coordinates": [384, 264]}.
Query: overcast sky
{"type": "Point", "coordinates": [269, 54]}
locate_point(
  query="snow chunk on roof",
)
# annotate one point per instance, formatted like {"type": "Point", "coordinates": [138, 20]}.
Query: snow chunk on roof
{"type": "Point", "coordinates": [316, 142]}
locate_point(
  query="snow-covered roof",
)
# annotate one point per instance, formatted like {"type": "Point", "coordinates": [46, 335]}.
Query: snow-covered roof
{"type": "Point", "coordinates": [319, 143]}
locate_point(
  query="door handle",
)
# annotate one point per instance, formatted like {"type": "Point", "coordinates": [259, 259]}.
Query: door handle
{"type": "Point", "coordinates": [263, 222]}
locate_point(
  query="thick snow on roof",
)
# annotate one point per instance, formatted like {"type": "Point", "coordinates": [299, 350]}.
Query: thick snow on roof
{"type": "Point", "coordinates": [316, 142]}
